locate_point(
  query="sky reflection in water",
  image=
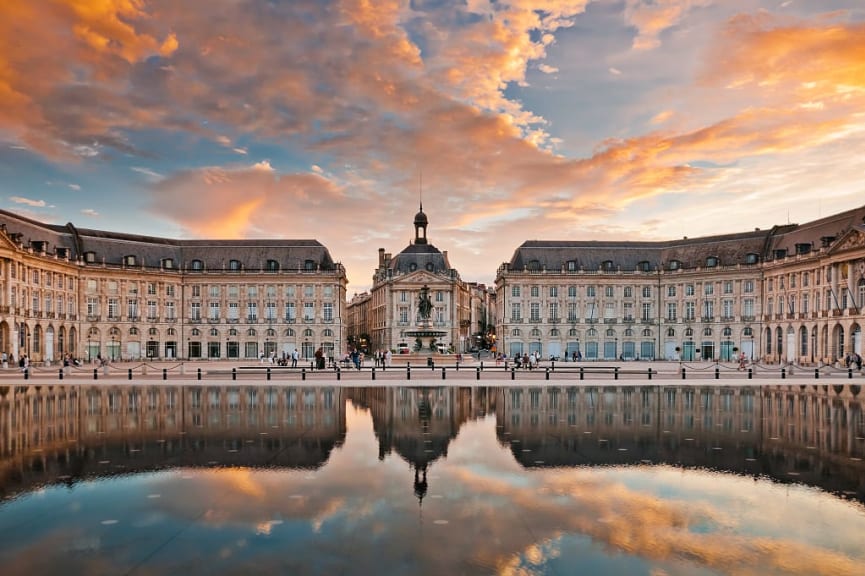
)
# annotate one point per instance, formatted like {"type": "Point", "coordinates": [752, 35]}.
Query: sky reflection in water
{"type": "Point", "coordinates": [326, 480]}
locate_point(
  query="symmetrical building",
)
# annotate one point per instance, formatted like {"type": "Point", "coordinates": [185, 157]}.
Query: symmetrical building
{"type": "Point", "coordinates": [794, 293]}
{"type": "Point", "coordinates": [389, 315]}
{"type": "Point", "coordinates": [89, 293]}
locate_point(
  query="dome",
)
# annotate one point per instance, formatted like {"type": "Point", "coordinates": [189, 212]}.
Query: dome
{"type": "Point", "coordinates": [420, 219]}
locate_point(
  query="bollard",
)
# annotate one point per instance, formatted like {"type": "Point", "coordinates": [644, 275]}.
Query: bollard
{"type": "Point", "coordinates": [129, 374]}
{"type": "Point", "coordinates": [338, 373]}
{"type": "Point", "coordinates": [783, 373]}
{"type": "Point", "coordinates": [750, 373]}
{"type": "Point", "coordinates": [234, 373]}
{"type": "Point", "coordinates": [443, 373]}
{"type": "Point", "coordinates": [482, 364]}
{"type": "Point", "coordinates": [268, 373]}
{"type": "Point", "coordinates": [95, 374]}
{"type": "Point", "coordinates": [303, 373]}
{"type": "Point", "coordinates": [547, 374]}
{"type": "Point", "coordinates": [582, 376]}
{"type": "Point", "coordinates": [373, 372]}
{"type": "Point", "coordinates": [513, 375]}
{"type": "Point", "coordinates": [408, 371]}
{"type": "Point", "coordinates": [816, 373]}
{"type": "Point", "coordinates": [849, 373]}
{"type": "Point", "coordinates": [477, 373]}
{"type": "Point", "coordinates": [165, 373]}
{"type": "Point", "coordinates": [683, 372]}
{"type": "Point", "coordinates": [458, 366]}
{"type": "Point", "coordinates": [650, 373]}
{"type": "Point", "coordinates": [615, 373]}
{"type": "Point", "coordinates": [553, 365]}
{"type": "Point", "coordinates": [717, 373]}
{"type": "Point", "coordinates": [27, 373]}
{"type": "Point", "coordinates": [199, 373]}
{"type": "Point", "coordinates": [60, 373]}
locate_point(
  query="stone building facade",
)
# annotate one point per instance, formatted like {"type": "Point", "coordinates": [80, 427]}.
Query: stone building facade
{"type": "Point", "coordinates": [389, 314]}
{"type": "Point", "coordinates": [793, 293]}
{"type": "Point", "coordinates": [92, 293]}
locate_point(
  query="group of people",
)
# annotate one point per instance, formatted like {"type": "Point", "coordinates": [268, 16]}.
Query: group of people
{"type": "Point", "coordinates": [853, 359]}
{"type": "Point", "coordinates": [527, 361]}
{"type": "Point", "coordinates": [287, 359]}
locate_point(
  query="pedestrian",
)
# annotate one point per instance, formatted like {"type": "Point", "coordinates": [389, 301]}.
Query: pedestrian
{"type": "Point", "coordinates": [294, 358]}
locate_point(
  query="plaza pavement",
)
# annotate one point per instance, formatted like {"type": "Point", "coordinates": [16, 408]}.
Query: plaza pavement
{"type": "Point", "coordinates": [416, 372]}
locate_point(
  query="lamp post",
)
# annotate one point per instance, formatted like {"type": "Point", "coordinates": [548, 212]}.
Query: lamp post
{"type": "Point", "coordinates": [113, 355]}
{"type": "Point", "coordinates": [226, 347]}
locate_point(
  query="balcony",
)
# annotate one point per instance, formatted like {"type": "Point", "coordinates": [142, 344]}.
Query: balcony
{"type": "Point", "coordinates": [232, 321]}
{"type": "Point", "coordinates": [670, 320]}
{"type": "Point", "coordinates": [252, 319]}
{"type": "Point", "coordinates": [535, 320]}
{"type": "Point", "coordinates": [610, 320]}
{"type": "Point", "coordinates": [94, 318]}
{"type": "Point", "coordinates": [195, 320]}
{"type": "Point", "coordinates": [172, 320]}
{"type": "Point", "coordinates": [554, 320]}
{"type": "Point", "coordinates": [113, 318]}
{"type": "Point", "coordinates": [516, 320]}
{"type": "Point", "coordinates": [4, 309]}
{"type": "Point", "coordinates": [837, 312]}
{"type": "Point", "coordinates": [628, 320]}
{"type": "Point", "coordinates": [290, 320]}
{"type": "Point", "coordinates": [747, 318]}
{"type": "Point", "coordinates": [647, 320]}
{"type": "Point", "coordinates": [707, 319]}
{"type": "Point", "coordinates": [308, 320]}
{"type": "Point", "coordinates": [153, 318]}
{"type": "Point", "coordinates": [591, 320]}
{"type": "Point", "coordinates": [728, 318]}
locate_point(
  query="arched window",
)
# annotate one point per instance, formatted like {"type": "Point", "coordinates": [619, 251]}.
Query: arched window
{"type": "Point", "coordinates": [647, 332]}
{"type": "Point", "coordinates": [591, 333]}
{"type": "Point", "coordinates": [289, 332]}
{"type": "Point", "coordinates": [196, 265]}
{"type": "Point", "coordinates": [327, 333]}
{"type": "Point", "coordinates": [573, 332]}
{"type": "Point", "coordinates": [214, 332]}
{"type": "Point", "coordinates": [535, 333]}
{"type": "Point", "coordinates": [751, 258]}
{"type": "Point", "coordinates": [674, 265]}
{"type": "Point", "coordinates": [270, 333]}
{"type": "Point", "coordinates": [610, 333]}
{"type": "Point", "coordinates": [534, 265]}
{"type": "Point", "coordinates": [272, 266]}
{"type": "Point", "coordinates": [554, 332]}
{"type": "Point", "coordinates": [607, 265]}
{"type": "Point", "coordinates": [153, 332]}
{"type": "Point", "coordinates": [629, 333]}
{"type": "Point", "coordinates": [429, 266]}
{"type": "Point", "coordinates": [307, 333]}
{"type": "Point", "coordinates": [412, 267]}
{"type": "Point", "coordinates": [748, 332]}
{"type": "Point", "coordinates": [727, 332]}
{"type": "Point", "coordinates": [234, 265]}
{"type": "Point", "coordinates": [707, 332]}
{"type": "Point", "coordinates": [515, 332]}
{"type": "Point", "coordinates": [644, 266]}
{"type": "Point", "coordinates": [196, 332]}
{"type": "Point", "coordinates": [232, 332]}
{"type": "Point", "coordinates": [129, 260]}
{"type": "Point", "coordinates": [133, 331]}
{"type": "Point", "coordinates": [571, 265]}
{"type": "Point", "coordinates": [309, 265]}
{"type": "Point", "coordinates": [251, 332]}
{"type": "Point", "coordinates": [168, 263]}
{"type": "Point", "coordinates": [689, 332]}
{"type": "Point", "coordinates": [671, 332]}
{"type": "Point", "coordinates": [172, 332]}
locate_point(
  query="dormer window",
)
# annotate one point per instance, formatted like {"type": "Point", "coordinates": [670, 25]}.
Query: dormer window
{"type": "Point", "coordinates": [234, 265]}
{"type": "Point", "coordinates": [412, 267]}
{"type": "Point", "coordinates": [534, 265]}
{"type": "Point", "coordinates": [196, 265]}
{"type": "Point", "coordinates": [803, 248]}
{"type": "Point", "coordinates": [780, 253]}
{"type": "Point", "coordinates": [674, 265]}
{"type": "Point", "coordinates": [90, 257]}
{"type": "Point", "coordinates": [751, 258]}
{"type": "Point", "coordinates": [429, 266]}
{"type": "Point", "coordinates": [644, 266]}
{"type": "Point", "coordinates": [711, 262]}
{"type": "Point", "coordinates": [607, 265]}
{"type": "Point", "coordinates": [168, 263]}
{"type": "Point", "coordinates": [572, 265]}
{"type": "Point", "coordinates": [309, 265]}
{"type": "Point", "coordinates": [129, 260]}
{"type": "Point", "coordinates": [271, 266]}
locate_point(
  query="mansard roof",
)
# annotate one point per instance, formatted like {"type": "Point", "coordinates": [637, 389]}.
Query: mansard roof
{"type": "Point", "coordinates": [591, 255]}
{"type": "Point", "coordinates": [420, 257]}
{"type": "Point", "coordinates": [152, 251]}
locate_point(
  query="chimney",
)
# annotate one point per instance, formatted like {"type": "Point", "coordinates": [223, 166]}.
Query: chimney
{"type": "Point", "coordinates": [381, 257]}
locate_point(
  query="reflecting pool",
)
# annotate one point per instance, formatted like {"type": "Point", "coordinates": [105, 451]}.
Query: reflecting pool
{"type": "Point", "coordinates": [245, 479]}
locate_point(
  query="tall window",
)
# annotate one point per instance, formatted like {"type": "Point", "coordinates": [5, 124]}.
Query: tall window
{"type": "Point", "coordinates": [152, 309]}
{"type": "Point", "coordinates": [572, 311]}
{"type": "Point", "coordinates": [535, 312]}
{"type": "Point", "coordinates": [671, 311]}
{"type": "Point", "coordinates": [170, 310]}
{"type": "Point", "coordinates": [270, 310]}
{"type": "Point", "coordinates": [646, 311]}
{"type": "Point", "coordinates": [290, 312]}
{"type": "Point", "coordinates": [554, 310]}
{"type": "Point", "coordinates": [748, 307]}
{"type": "Point", "coordinates": [515, 291]}
{"type": "Point", "coordinates": [113, 307]}
{"type": "Point", "coordinates": [308, 311]}
{"type": "Point", "coordinates": [647, 291]}
{"type": "Point", "coordinates": [748, 286]}
{"type": "Point", "coordinates": [554, 291]}
{"type": "Point", "coordinates": [213, 310]}
{"type": "Point", "coordinates": [252, 311]}
{"type": "Point", "coordinates": [195, 311]}
{"type": "Point", "coordinates": [689, 311]}
{"type": "Point", "coordinates": [572, 291]}
{"type": "Point", "coordinates": [233, 311]}
{"type": "Point", "coordinates": [628, 312]}
{"type": "Point", "coordinates": [515, 311]}
{"type": "Point", "coordinates": [92, 306]}
{"type": "Point", "coordinates": [403, 315]}
{"type": "Point", "coordinates": [728, 308]}
{"type": "Point", "coordinates": [671, 291]}
{"type": "Point", "coordinates": [327, 312]}
{"type": "Point", "coordinates": [590, 291]}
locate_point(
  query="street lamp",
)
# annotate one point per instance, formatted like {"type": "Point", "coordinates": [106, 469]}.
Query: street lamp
{"type": "Point", "coordinates": [113, 354]}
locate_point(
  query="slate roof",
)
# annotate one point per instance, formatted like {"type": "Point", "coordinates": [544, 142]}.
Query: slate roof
{"type": "Point", "coordinates": [729, 249]}
{"type": "Point", "coordinates": [149, 251]}
{"type": "Point", "coordinates": [423, 257]}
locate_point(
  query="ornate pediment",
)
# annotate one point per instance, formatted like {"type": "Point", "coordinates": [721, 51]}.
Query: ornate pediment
{"type": "Point", "coordinates": [420, 277]}
{"type": "Point", "coordinates": [852, 240]}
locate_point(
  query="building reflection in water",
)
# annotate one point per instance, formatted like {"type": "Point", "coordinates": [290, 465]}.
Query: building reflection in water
{"type": "Point", "coordinates": [812, 434]}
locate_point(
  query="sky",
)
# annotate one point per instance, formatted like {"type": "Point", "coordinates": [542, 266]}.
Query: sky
{"type": "Point", "coordinates": [512, 120]}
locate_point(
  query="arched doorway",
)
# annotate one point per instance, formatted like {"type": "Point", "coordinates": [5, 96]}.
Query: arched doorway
{"type": "Point", "coordinates": [49, 344]}
{"type": "Point", "coordinates": [856, 339]}
{"type": "Point", "coordinates": [791, 344]}
{"type": "Point", "coordinates": [61, 341]}
{"type": "Point", "coordinates": [5, 340]}
{"type": "Point", "coordinates": [779, 343]}
{"type": "Point", "coordinates": [72, 344]}
{"type": "Point", "coordinates": [837, 342]}
{"type": "Point", "coordinates": [93, 350]}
